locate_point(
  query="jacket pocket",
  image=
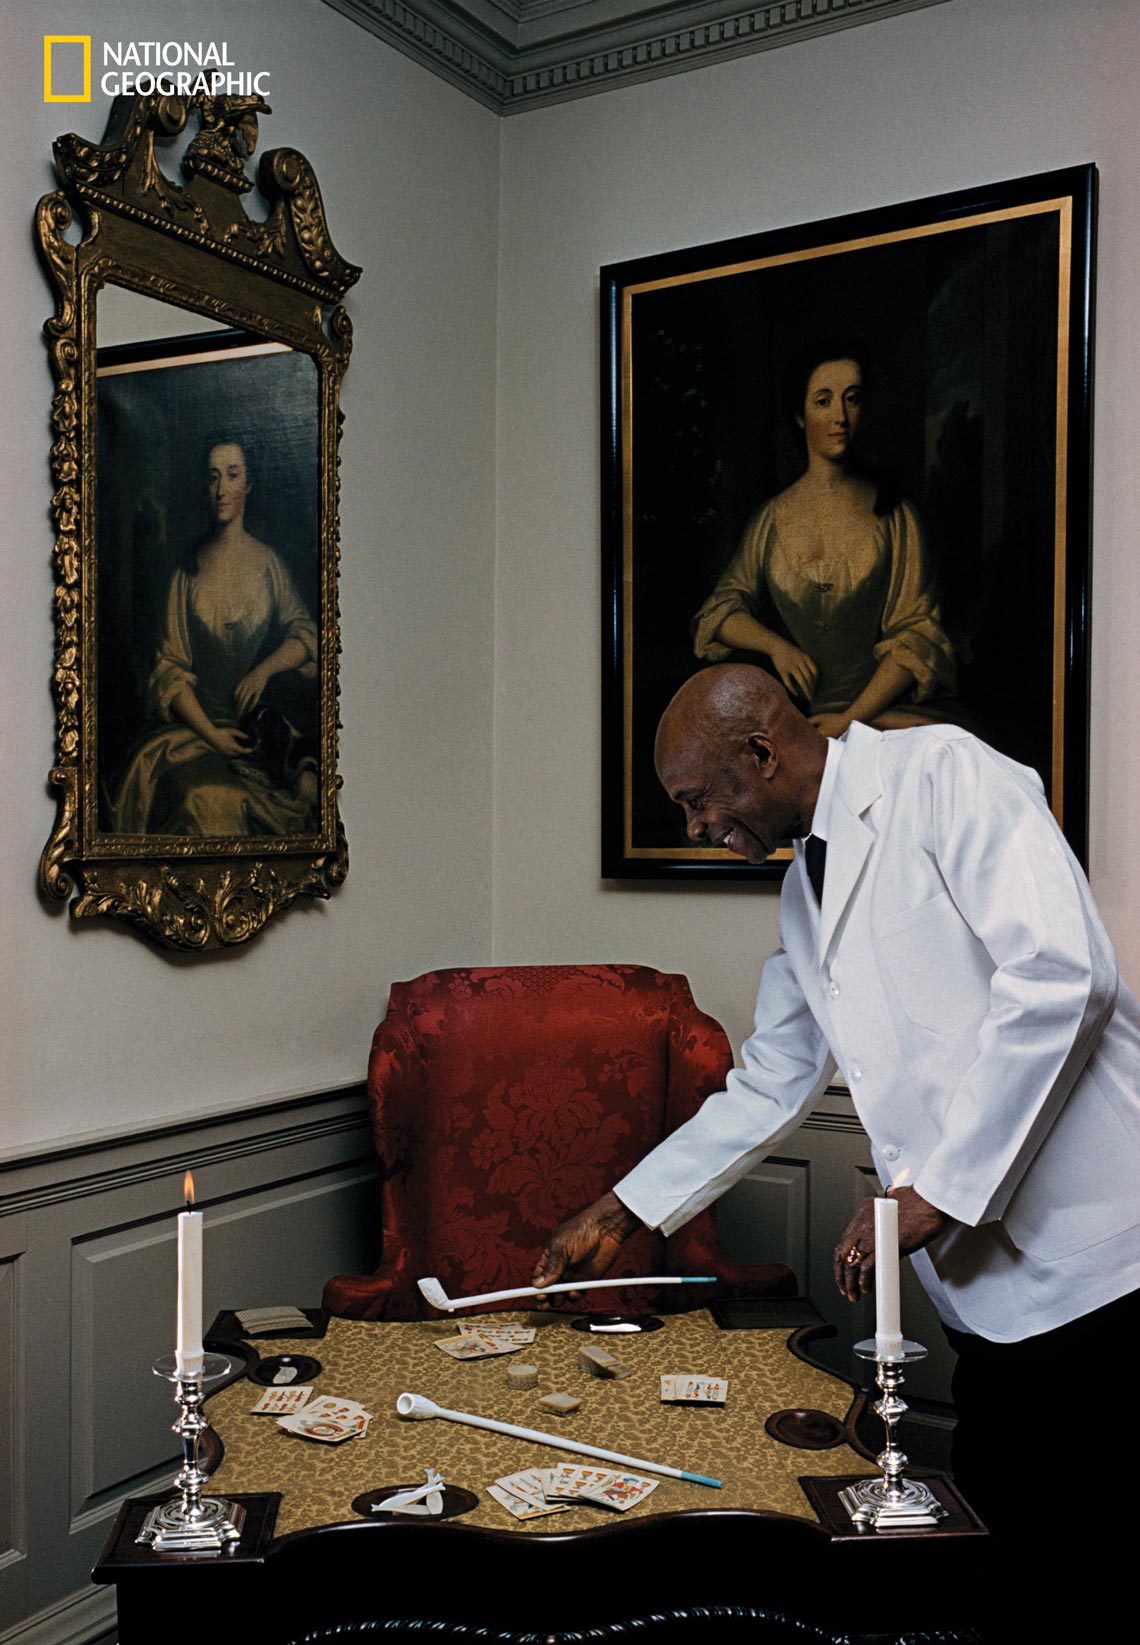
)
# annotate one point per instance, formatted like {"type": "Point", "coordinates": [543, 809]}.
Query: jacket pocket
{"type": "Point", "coordinates": [939, 970]}
{"type": "Point", "coordinates": [1081, 1187]}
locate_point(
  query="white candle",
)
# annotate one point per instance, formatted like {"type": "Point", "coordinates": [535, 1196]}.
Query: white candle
{"type": "Point", "coordinates": [888, 1320]}
{"type": "Point", "coordinates": [188, 1339]}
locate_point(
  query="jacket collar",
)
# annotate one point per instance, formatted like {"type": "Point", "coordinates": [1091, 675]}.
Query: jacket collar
{"type": "Point", "coordinates": [858, 786]}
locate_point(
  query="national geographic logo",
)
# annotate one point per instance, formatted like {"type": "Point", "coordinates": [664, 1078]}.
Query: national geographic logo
{"type": "Point", "coordinates": [173, 68]}
{"type": "Point", "coordinates": [67, 68]}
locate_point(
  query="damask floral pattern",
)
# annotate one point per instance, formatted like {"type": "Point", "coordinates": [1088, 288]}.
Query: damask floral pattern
{"type": "Point", "coordinates": [504, 1099]}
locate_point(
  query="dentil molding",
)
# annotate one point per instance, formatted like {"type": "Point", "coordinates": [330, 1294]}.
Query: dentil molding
{"type": "Point", "coordinates": [513, 55]}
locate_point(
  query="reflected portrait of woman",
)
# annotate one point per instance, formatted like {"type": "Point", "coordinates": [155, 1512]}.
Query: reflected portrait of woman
{"type": "Point", "coordinates": [219, 757]}
{"type": "Point", "coordinates": [838, 562]}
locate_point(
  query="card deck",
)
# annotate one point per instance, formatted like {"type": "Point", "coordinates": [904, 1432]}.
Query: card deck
{"type": "Point", "coordinates": [257, 1322]}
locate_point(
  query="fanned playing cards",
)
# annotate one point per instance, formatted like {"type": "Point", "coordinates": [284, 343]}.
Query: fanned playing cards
{"type": "Point", "coordinates": [327, 1419]}
{"type": "Point", "coordinates": [538, 1491]}
{"type": "Point", "coordinates": [486, 1341]}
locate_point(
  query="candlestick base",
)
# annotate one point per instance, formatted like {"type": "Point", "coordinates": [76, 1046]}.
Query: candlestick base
{"type": "Point", "coordinates": [893, 1502]}
{"type": "Point", "coordinates": [168, 1529]}
{"type": "Point", "coordinates": [884, 1507]}
{"type": "Point", "coordinates": [191, 1523]}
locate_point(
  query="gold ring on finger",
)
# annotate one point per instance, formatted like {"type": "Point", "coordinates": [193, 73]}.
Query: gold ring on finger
{"type": "Point", "coordinates": [854, 1257]}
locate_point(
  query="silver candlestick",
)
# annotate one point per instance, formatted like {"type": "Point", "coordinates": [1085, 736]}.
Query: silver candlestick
{"type": "Point", "coordinates": [191, 1523]}
{"type": "Point", "coordinates": [893, 1502]}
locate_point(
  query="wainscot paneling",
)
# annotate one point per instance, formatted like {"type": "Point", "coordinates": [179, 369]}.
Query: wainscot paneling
{"type": "Point", "coordinates": [87, 1284]}
{"type": "Point", "coordinates": [12, 1527]}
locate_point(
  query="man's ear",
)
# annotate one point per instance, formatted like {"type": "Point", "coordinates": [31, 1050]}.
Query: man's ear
{"type": "Point", "coordinates": [764, 753]}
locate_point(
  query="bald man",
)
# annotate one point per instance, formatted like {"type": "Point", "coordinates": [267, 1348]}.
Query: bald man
{"type": "Point", "coordinates": [953, 966]}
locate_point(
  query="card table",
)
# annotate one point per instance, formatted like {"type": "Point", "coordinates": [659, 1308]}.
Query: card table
{"type": "Point", "coordinates": [765, 1539]}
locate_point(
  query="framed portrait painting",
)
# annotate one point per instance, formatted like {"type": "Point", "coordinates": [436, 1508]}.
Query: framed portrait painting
{"type": "Point", "coordinates": [197, 353]}
{"type": "Point", "coordinates": [858, 454]}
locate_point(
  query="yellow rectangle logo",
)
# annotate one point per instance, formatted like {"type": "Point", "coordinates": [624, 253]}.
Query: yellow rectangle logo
{"type": "Point", "coordinates": [68, 68]}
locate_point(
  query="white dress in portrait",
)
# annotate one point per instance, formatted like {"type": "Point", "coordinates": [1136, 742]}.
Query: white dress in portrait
{"type": "Point", "coordinates": [215, 631]}
{"type": "Point", "coordinates": [847, 613]}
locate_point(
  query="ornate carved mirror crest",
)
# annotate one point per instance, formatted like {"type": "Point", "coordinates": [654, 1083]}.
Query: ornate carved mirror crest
{"type": "Point", "coordinates": [197, 355]}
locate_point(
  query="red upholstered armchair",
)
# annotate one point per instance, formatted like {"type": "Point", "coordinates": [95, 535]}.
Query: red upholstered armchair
{"type": "Point", "coordinates": [506, 1098]}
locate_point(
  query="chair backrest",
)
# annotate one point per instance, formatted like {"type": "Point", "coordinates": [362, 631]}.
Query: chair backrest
{"type": "Point", "coordinates": [504, 1099]}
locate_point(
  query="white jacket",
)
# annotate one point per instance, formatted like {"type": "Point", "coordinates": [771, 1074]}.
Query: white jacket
{"type": "Point", "coordinates": [960, 977]}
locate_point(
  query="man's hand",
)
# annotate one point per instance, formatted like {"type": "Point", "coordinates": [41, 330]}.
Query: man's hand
{"type": "Point", "coordinates": [919, 1222]}
{"type": "Point", "coordinates": [585, 1245]}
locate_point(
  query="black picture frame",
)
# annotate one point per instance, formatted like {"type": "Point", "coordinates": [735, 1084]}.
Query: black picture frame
{"type": "Point", "coordinates": [976, 311]}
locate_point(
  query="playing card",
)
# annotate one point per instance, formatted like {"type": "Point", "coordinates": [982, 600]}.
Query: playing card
{"type": "Point", "coordinates": [569, 1480]}
{"type": "Point", "coordinates": [327, 1430]}
{"type": "Point", "coordinates": [280, 1402]}
{"type": "Point", "coordinates": [329, 1405]}
{"type": "Point", "coordinates": [517, 1335]}
{"type": "Point", "coordinates": [329, 1419]}
{"type": "Point", "coordinates": [695, 1390]}
{"type": "Point", "coordinates": [524, 1507]}
{"type": "Point", "coordinates": [475, 1347]}
{"type": "Point", "coordinates": [621, 1491]}
{"type": "Point", "coordinates": [526, 1484]}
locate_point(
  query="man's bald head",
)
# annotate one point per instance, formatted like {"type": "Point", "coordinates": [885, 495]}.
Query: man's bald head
{"type": "Point", "coordinates": [727, 702]}
{"type": "Point", "coordinates": [740, 760]}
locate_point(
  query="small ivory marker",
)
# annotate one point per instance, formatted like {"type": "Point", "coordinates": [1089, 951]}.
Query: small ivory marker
{"type": "Point", "coordinates": [599, 1362]}
{"type": "Point", "coordinates": [522, 1376]}
{"type": "Point", "coordinates": [560, 1404]}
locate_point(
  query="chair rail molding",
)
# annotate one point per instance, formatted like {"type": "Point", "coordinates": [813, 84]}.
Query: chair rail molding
{"type": "Point", "coordinates": [513, 55]}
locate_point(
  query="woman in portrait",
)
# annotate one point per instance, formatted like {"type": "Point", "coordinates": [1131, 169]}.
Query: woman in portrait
{"type": "Point", "coordinates": [842, 564]}
{"type": "Point", "coordinates": [223, 762]}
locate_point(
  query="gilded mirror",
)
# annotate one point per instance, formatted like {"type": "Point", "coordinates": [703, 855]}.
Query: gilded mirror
{"type": "Point", "coordinates": [197, 352]}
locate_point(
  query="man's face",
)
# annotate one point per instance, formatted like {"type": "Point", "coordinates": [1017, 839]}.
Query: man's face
{"type": "Point", "coordinates": [734, 793]}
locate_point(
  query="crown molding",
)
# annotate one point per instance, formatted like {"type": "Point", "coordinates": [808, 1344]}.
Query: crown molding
{"type": "Point", "coordinates": [513, 55]}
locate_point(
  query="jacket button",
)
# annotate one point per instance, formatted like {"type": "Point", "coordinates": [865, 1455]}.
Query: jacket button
{"type": "Point", "coordinates": [890, 1152]}
{"type": "Point", "coordinates": [834, 990]}
{"type": "Point", "coordinates": [856, 1071]}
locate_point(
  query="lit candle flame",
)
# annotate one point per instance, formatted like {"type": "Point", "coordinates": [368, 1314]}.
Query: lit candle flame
{"type": "Point", "coordinates": [900, 1180]}
{"type": "Point", "coordinates": [188, 1188]}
